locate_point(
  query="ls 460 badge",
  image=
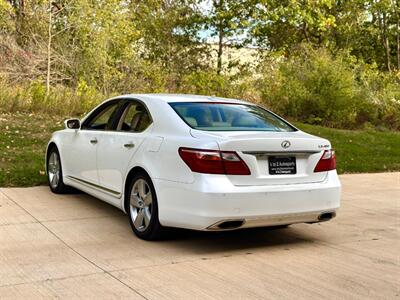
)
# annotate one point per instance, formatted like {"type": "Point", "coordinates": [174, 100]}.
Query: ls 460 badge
{"type": "Point", "coordinates": [323, 146]}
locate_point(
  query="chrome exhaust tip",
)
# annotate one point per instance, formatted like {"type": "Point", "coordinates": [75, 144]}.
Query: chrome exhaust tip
{"type": "Point", "coordinates": [227, 225]}
{"type": "Point", "coordinates": [326, 216]}
{"type": "Point", "coordinates": [231, 224]}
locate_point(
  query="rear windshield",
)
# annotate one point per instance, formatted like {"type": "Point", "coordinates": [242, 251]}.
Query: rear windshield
{"type": "Point", "coordinates": [229, 117]}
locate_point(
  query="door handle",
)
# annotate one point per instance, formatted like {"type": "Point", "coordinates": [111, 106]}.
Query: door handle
{"type": "Point", "coordinates": [93, 141]}
{"type": "Point", "coordinates": [129, 145]}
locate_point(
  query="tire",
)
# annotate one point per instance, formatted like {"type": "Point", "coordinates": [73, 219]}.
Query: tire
{"type": "Point", "coordinates": [142, 208]}
{"type": "Point", "coordinates": [54, 172]}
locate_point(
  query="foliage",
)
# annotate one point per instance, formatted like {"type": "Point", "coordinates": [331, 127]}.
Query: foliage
{"type": "Point", "coordinates": [370, 29]}
{"type": "Point", "coordinates": [6, 15]}
{"type": "Point", "coordinates": [63, 56]}
{"type": "Point", "coordinates": [212, 83]}
{"type": "Point", "coordinates": [279, 25]}
{"type": "Point", "coordinates": [168, 35]}
{"type": "Point", "coordinates": [32, 98]}
{"type": "Point", "coordinates": [226, 22]}
{"type": "Point", "coordinates": [315, 87]}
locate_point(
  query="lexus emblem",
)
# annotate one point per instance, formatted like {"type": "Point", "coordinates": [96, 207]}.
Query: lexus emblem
{"type": "Point", "coordinates": [285, 144]}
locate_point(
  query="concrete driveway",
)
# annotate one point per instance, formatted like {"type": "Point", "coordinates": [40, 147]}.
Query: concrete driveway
{"type": "Point", "coordinates": [74, 246]}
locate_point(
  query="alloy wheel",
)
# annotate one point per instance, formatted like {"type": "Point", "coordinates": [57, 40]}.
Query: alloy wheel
{"type": "Point", "coordinates": [141, 204]}
{"type": "Point", "coordinates": [54, 170]}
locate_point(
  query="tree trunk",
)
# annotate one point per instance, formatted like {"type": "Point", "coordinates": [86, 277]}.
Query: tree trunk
{"type": "Point", "coordinates": [305, 28]}
{"type": "Point", "coordinates": [386, 41]}
{"type": "Point", "coordinates": [383, 34]}
{"type": "Point", "coordinates": [49, 52]}
{"type": "Point", "coordinates": [19, 6]}
{"type": "Point", "coordinates": [218, 5]}
{"type": "Point", "coordinates": [397, 12]}
{"type": "Point", "coordinates": [398, 42]}
{"type": "Point", "coordinates": [220, 50]}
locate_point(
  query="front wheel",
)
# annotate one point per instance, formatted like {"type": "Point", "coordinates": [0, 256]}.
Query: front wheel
{"type": "Point", "coordinates": [143, 208]}
{"type": "Point", "coordinates": [54, 172]}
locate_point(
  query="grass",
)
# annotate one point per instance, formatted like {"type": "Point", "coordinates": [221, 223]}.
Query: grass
{"type": "Point", "coordinates": [361, 151]}
{"type": "Point", "coordinates": [23, 139]}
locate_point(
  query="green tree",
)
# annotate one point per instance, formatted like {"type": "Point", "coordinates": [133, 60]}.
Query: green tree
{"type": "Point", "coordinates": [6, 17]}
{"type": "Point", "coordinates": [278, 25]}
{"type": "Point", "coordinates": [168, 35]}
{"type": "Point", "coordinates": [386, 21]}
{"type": "Point", "coordinates": [228, 22]}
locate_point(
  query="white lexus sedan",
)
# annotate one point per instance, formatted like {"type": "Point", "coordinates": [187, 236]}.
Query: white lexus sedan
{"type": "Point", "coordinates": [195, 162]}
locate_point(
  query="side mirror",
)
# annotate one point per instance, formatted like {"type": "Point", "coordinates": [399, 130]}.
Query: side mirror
{"type": "Point", "coordinates": [72, 124]}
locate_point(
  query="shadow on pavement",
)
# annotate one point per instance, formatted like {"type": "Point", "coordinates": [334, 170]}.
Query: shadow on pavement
{"type": "Point", "coordinates": [244, 239]}
{"type": "Point", "coordinates": [202, 242]}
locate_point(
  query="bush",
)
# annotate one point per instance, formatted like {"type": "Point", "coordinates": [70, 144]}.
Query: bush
{"type": "Point", "coordinates": [61, 100]}
{"type": "Point", "coordinates": [239, 85]}
{"type": "Point", "coordinates": [382, 91]}
{"type": "Point", "coordinates": [311, 86]}
{"type": "Point", "coordinates": [315, 87]}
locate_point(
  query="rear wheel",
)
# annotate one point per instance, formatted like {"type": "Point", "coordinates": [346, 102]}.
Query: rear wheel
{"type": "Point", "coordinates": [143, 208]}
{"type": "Point", "coordinates": [54, 172]}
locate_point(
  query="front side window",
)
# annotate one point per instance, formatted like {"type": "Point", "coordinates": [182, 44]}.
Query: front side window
{"type": "Point", "coordinates": [229, 117]}
{"type": "Point", "coordinates": [103, 118]}
{"type": "Point", "coordinates": [135, 118]}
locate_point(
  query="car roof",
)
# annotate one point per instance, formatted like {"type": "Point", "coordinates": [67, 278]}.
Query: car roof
{"type": "Point", "coordinates": [170, 98]}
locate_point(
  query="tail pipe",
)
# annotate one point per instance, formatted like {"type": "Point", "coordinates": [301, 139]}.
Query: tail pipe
{"type": "Point", "coordinates": [227, 225]}
{"type": "Point", "coordinates": [326, 216]}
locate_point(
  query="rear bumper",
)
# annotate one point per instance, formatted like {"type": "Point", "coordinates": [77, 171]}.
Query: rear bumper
{"type": "Point", "coordinates": [213, 199]}
{"type": "Point", "coordinates": [273, 220]}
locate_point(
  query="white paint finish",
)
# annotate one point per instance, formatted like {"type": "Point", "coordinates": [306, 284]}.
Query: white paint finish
{"type": "Point", "coordinates": [168, 165]}
{"type": "Point", "coordinates": [154, 143]}
{"type": "Point", "coordinates": [271, 141]}
{"type": "Point", "coordinates": [193, 200]}
{"type": "Point", "coordinates": [212, 198]}
{"type": "Point", "coordinates": [78, 154]}
{"type": "Point", "coordinates": [115, 200]}
{"type": "Point", "coordinates": [113, 156]}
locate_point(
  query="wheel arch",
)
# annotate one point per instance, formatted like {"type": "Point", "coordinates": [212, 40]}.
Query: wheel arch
{"type": "Point", "coordinates": [50, 145]}
{"type": "Point", "coordinates": [56, 142]}
{"type": "Point", "coordinates": [128, 179]}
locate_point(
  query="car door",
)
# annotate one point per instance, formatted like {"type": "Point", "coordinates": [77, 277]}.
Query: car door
{"type": "Point", "coordinates": [81, 148]}
{"type": "Point", "coordinates": [117, 148]}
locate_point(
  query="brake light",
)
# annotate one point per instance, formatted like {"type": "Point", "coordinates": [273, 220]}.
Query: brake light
{"type": "Point", "coordinates": [214, 161]}
{"type": "Point", "coordinates": [327, 162]}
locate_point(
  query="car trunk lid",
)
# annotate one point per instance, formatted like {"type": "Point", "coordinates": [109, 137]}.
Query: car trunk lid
{"type": "Point", "coordinates": [274, 158]}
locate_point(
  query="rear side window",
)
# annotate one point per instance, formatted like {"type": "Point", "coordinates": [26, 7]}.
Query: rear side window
{"type": "Point", "coordinates": [229, 117]}
{"type": "Point", "coordinates": [135, 118]}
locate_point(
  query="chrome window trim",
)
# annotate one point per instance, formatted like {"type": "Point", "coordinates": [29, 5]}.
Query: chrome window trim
{"type": "Point", "coordinates": [83, 120]}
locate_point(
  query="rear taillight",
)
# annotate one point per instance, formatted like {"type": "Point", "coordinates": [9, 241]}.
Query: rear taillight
{"type": "Point", "coordinates": [214, 161]}
{"type": "Point", "coordinates": [327, 162]}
